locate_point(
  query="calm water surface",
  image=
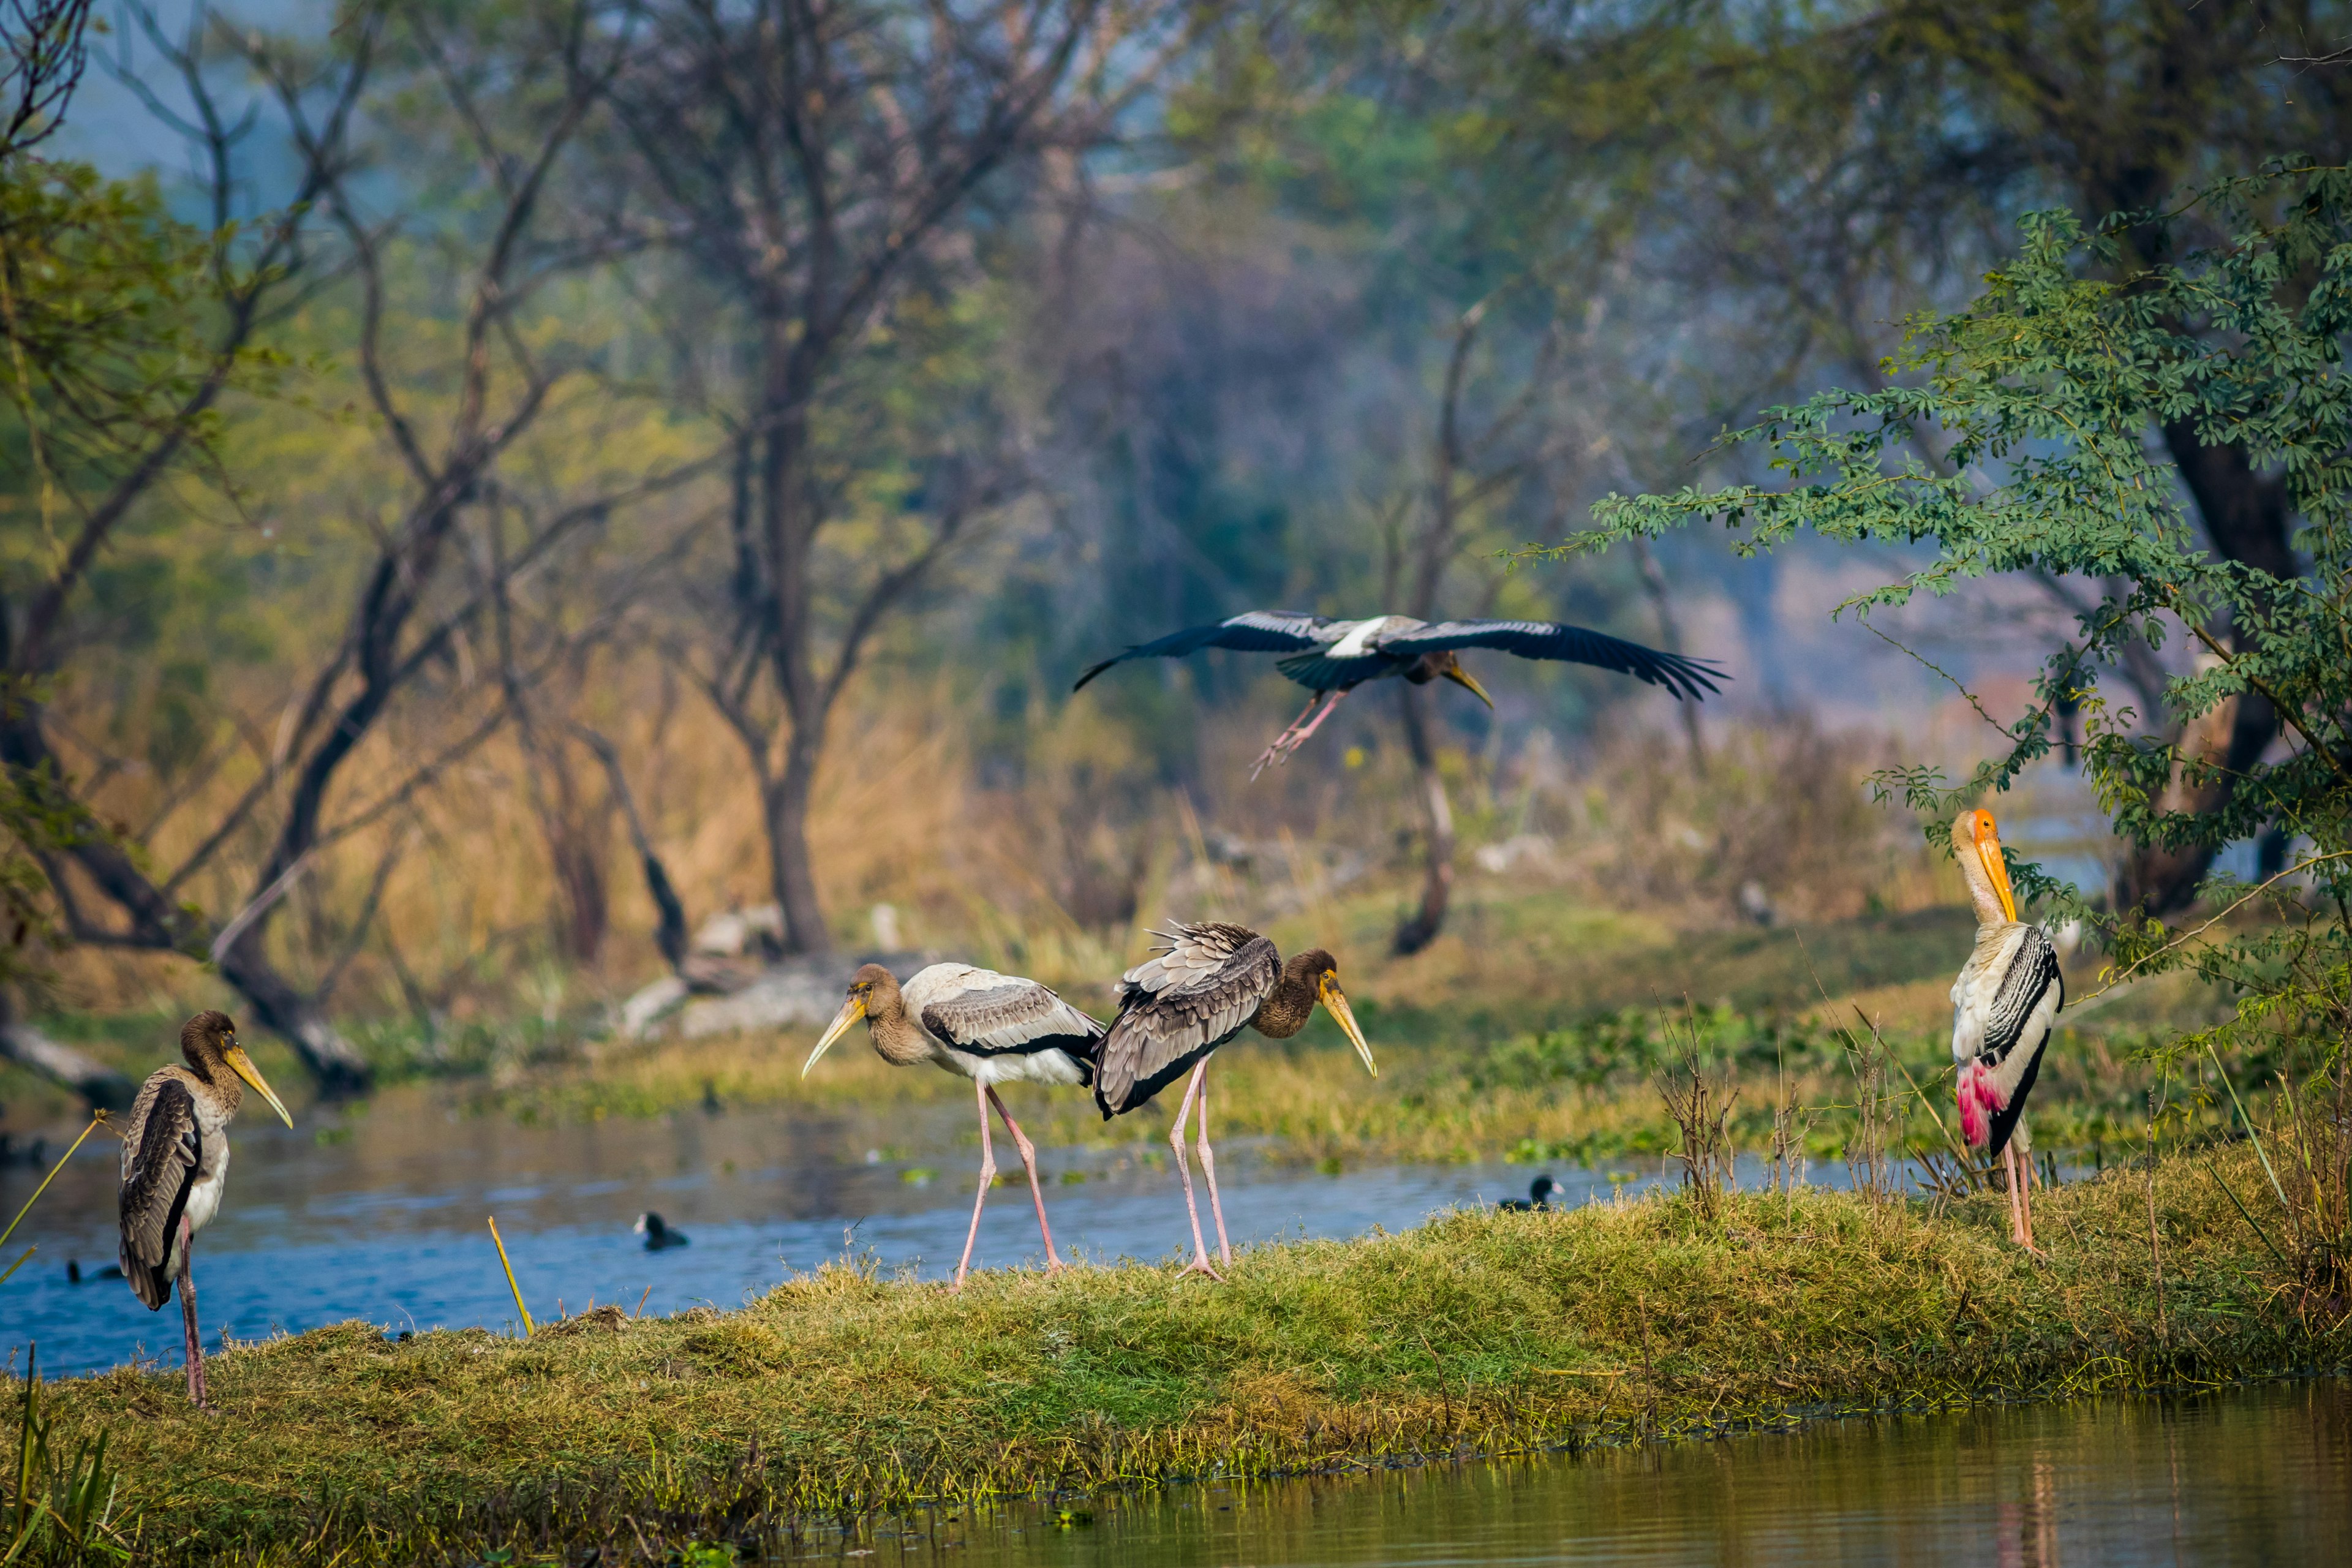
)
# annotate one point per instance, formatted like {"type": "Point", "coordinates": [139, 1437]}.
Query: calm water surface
{"type": "Point", "coordinates": [382, 1217]}
{"type": "Point", "coordinates": [2256, 1476]}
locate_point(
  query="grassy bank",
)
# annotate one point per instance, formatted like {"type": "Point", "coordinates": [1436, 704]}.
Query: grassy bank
{"type": "Point", "coordinates": [1481, 1330]}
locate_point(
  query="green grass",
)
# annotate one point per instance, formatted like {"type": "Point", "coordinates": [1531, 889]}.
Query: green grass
{"type": "Point", "coordinates": [1479, 1332]}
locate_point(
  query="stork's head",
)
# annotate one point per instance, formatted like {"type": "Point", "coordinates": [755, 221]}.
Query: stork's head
{"type": "Point", "coordinates": [1316, 973]}
{"type": "Point", "coordinates": [208, 1040]}
{"type": "Point", "coordinates": [872, 987]}
{"type": "Point", "coordinates": [1977, 844]}
{"type": "Point", "coordinates": [1446, 665]}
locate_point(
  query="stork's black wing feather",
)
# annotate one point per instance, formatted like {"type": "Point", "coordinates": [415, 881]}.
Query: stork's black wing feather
{"type": "Point", "coordinates": [1687, 678]}
{"type": "Point", "coordinates": [1197, 993]}
{"type": "Point", "coordinates": [163, 1148]}
{"type": "Point", "coordinates": [1254, 631]}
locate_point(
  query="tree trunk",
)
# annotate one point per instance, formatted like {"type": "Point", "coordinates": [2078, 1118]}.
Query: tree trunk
{"type": "Point", "coordinates": [156, 923]}
{"type": "Point", "coordinates": [1437, 884]}
{"type": "Point", "coordinates": [100, 1086]}
{"type": "Point", "coordinates": [2246, 516]}
{"type": "Point", "coordinates": [335, 1064]}
{"type": "Point", "coordinates": [786, 803]}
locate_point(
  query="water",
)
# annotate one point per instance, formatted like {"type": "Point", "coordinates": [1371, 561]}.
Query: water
{"type": "Point", "coordinates": [2249, 1476]}
{"type": "Point", "coordinates": [385, 1219]}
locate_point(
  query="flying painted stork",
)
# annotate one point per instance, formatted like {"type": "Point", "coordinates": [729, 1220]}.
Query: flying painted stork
{"type": "Point", "coordinates": [977, 1024]}
{"type": "Point", "coordinates": [1332, 659]}
{"type": "Point", "coordinates": [1206, 986]}
{"type": "Point", "coordinates": [176, 1167]}
{"type": "Point", "coordinates": [2004, 1005]}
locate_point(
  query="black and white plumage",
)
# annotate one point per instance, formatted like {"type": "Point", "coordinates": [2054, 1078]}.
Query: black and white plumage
{"type": "Point", "coordinates": [176, 1167]}
{"type": "Point", "coordinates": [1332, 657]}
{"type": "Point", "coordinates": [2005, 1005]}
{"type": "Point", "coordinates": [989, 1027]}
{"type": "Point", "coordinates": [1208, 983]}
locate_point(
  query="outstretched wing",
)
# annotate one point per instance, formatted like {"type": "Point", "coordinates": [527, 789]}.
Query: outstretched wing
{"type": "Point", "coordinates": [162, 1148]}
{"type": "Point", "coordinates": [1185, 1002]}
{"type": "Point", "coordinates": [1686, 677]}
{"type": "Point", "coordinates": [1254, 631]}
{"type": "Point", "coordinates": [990, 1013]}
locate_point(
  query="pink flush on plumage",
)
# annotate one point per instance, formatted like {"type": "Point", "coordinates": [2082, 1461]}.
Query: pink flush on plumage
{"type": "Point", "coordinates": [1980, 1097]}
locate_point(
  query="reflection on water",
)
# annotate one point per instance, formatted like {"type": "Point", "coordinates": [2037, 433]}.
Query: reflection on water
{"type": "Point", "coordinates": [2249, 1476]}
{"type": "Point", "coordinates": [383, 1219]}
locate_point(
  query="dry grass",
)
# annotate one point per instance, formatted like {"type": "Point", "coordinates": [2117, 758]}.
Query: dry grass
{"type": "Point", "coordinates": [1482, 1332]}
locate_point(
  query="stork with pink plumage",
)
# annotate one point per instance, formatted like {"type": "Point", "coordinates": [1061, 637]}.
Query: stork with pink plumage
{"type": "Point", "coordinates": [2004, 1006]}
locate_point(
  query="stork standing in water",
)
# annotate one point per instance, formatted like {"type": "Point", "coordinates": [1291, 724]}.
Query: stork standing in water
{"type": "Point", "coordinates": [977, 1024]}
{"type": "Point", "coordinates": [1332, 659]}
{"type": "Point", "coordinates": [176, 1167]}
{"type": "Point", "coordinates": [1209, 983]}
{"type": "Point", "coordinates": [2004, 1005]}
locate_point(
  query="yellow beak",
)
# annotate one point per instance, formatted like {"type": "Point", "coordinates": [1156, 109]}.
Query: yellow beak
{"type": "Point", "coordinates": [851, 1011]}
{"type": "Point", "coordinates": [242, 1065]}
{"type": "Point", "coordinates": [1336, 1001]}
{"type": "Point", "coordinates": [1989, 857]}
{"type": "Point", "coordinates": [1460, 677]}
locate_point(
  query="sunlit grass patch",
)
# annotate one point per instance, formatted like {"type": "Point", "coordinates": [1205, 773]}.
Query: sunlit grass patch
{"type": "Point", "coordinates": [1481, 1329]}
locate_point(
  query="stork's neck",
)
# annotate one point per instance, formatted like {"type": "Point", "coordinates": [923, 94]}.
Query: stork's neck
{"type": "Point", "coordinates": [213, 1070]}
{"type": "Point", "coordinates": [1981, 897]}
{"type": "Point", "coordinates": [898, 1039]}
{"type": "Point", "coordinates": [1287, 1007]}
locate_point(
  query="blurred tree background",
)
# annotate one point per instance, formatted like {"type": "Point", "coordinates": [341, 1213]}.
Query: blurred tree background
{"type": "Point", "coordinates": [488, 488]}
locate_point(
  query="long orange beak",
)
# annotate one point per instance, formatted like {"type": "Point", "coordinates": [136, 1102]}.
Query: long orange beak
{"type": "Point", "coordinates": [1988, 855]}
{"type": "Point", "coordinates": [1336, 1001]}
{"type": "Point", "coordinates": [1460, 677]}
{"type": "Point", "coordinates": [851, 1011]}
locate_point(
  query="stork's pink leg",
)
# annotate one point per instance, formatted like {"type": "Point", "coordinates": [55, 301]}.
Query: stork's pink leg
{"type": "Point", "coordinates": [1209, 1169]}
{"type": "Point", "coordinates": [2020, 1224]}
{"type": "Point", "coordinates": [1287, 742]}
{"type": "Point", "coordinates": [987, 1174]}
{"type": "Point", "coordinates": [1308, 732]}
{"type": "Point", "coordinates": [1029, 1163]}
{"type": "Point", "coordinates": [1176, 1141]}
{"type": "Point", "coordinates": [188, 1317]}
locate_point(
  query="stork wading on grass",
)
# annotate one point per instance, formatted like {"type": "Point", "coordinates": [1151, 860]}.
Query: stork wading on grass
{"type": "Point", "coordinates": [2004, 1005]}
{"type": "Point", "coordinates": [977, 1024]}
{"type": "Point", "coordinates": [176, 1167]}
{"type": "Point", "coordinates": [1332, 659]}
{"type": "Point", "coordinates": [1209, 983]}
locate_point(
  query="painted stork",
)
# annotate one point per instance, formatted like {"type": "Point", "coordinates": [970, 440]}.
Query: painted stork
{"type": "Point", "coordinates": [2004, 1005]}
{"type": "Point", "coordinates": [1206, 986]}
{"type": "Point", "coordinates": [1332, 659]}
{"type": "Point", "coordinates": [176, 1167]}
{"type": "Point", "coordinates": [989, 1027]}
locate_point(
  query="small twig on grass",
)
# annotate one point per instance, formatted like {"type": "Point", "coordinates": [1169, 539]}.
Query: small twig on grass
{"type": "Point", "coordinates": [529, 1327]}
{"type": "Point", "coordinates": [2154, 1250]}
{"type": "Point", "coordinates": [2231, 1193]}
{"type": "Point", "coordinates": [2251, 1136]}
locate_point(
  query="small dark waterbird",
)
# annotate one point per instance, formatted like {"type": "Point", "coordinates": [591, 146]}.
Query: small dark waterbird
{"type": "Point", "coordinates": [1538, 1198]}
{"type": "Point", "coordinates": [659, 1236]}
{"type": "Point", "coordinates": [1332, 659]}
{"type": "Point", "coordinates": [2004, 1005]}
{"type": "Point", "coordinates": [176, 1167]}
{"type": "Point", "coordinates": [1206, 986]}
{"type": "Point", "coordinates": [977, 1024]}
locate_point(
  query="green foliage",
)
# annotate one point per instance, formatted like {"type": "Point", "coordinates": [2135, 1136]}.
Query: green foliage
{"type": "Point", "coordinates": [2050, 389]}
{"type": "Point", "coordinates": [61, 1506]}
